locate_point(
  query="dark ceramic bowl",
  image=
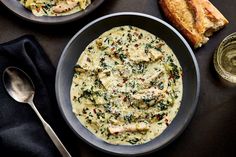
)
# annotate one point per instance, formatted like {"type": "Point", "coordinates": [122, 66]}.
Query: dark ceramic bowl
{"type": "Point", "coordinates": [21, 11]}
{"type": "Point", "coordinates": [182, 50]}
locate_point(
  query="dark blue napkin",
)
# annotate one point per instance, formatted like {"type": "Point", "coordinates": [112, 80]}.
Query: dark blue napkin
{"type": "Point", "coordinates": [21, 132]}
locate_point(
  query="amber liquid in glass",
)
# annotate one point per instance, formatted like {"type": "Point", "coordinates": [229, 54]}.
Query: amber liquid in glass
{"type": "Point", "coordinates": [228, 60]}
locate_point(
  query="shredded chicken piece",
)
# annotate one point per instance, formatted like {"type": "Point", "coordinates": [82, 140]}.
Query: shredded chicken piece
{"type": "Point", "coordinates": [153, 92]}
{"type": "Point", "coordinates": [129, 128]}
{"type": "Point", "coordinates": [65, 6]}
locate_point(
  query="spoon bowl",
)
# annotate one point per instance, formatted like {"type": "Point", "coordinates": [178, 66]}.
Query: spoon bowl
{"type": "Point", "coordinates": [18, 84]}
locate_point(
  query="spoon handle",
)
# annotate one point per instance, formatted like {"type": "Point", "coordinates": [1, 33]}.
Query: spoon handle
{"type": "Point", "coordinates": [51, 133]}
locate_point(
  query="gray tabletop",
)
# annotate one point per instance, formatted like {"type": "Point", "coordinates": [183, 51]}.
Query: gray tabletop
{"type": "Point", "coordinates": [212, 131]}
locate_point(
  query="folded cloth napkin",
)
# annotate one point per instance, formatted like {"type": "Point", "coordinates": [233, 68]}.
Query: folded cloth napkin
{"type": "Point", "coordinates": [21, 132]}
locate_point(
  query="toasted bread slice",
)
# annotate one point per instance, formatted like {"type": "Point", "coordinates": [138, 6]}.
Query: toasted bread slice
{"type": "Point", "coordinates": [196, 19]}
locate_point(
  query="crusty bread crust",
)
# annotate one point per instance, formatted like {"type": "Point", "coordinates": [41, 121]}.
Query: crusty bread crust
{"type": "Point", "coordinates": [196, 19]}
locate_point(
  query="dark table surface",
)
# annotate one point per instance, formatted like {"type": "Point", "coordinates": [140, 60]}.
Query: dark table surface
{"type": "Point", "coordinates": [212, 131]}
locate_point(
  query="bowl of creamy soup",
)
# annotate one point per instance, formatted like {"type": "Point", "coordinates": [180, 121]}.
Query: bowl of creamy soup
{"type": "Point", "coordinates": [52, 11]}
{"type": "Point", "coordinates": [127, 83]}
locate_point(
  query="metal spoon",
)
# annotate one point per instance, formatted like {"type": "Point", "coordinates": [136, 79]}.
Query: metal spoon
{"type": "Point", "coordinates": [20, 87]}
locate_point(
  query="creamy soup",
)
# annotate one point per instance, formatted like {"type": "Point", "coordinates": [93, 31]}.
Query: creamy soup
{"type": "Point", "coordinates": [127, 86]}
{"type": "Point", "coordinates": [55, 7]}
